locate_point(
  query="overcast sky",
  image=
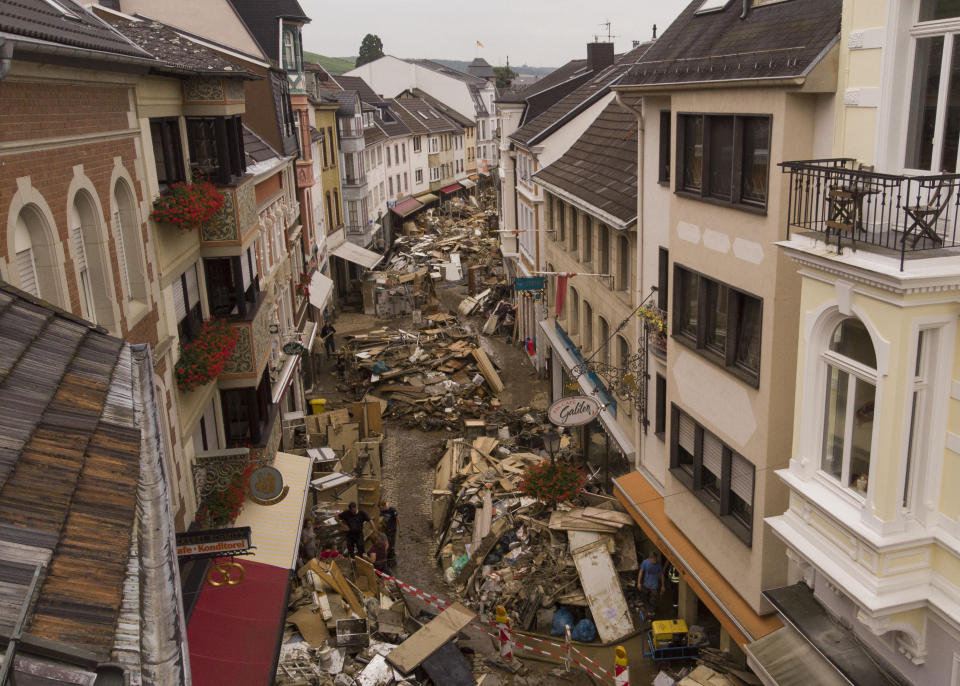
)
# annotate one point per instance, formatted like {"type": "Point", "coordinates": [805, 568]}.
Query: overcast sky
{"type": "Point", "coordinates": [541, 33]}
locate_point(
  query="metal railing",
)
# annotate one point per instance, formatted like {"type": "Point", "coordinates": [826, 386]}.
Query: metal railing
{"type": "Point", "coordinates": [896, 212]}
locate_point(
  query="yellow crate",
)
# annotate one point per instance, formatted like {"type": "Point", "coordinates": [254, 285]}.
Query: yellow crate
{"type": "Point", "coordinates": [669, 632]}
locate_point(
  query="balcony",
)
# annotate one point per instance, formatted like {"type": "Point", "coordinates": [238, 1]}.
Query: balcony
{"type": "Point", "coordinates": [252, 351]}
{"type": "Point", "coordinates": [654, 322]}
{"type": "Point", "coordinates": [237, 217]}
{"type": "Point", "coordinates": [857, 208]}
{"type": "Point", "coordinates": [353, 180]}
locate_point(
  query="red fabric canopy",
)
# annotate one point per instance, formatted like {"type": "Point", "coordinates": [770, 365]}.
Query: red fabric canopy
{"type": "Point", "coordinates": [452, 188]}
{"type": "Point", "coordinates": [234, 630]}
{"type": "Point", "coordinates": [406, 206]}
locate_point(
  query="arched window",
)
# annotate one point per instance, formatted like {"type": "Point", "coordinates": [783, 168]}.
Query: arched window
{"type": "Point", "coordinates": [573, 312]}
{"type": "Point", "coordinates": [33, 249]}
{"type": "Point", "coordinates": [551, 291]}
{"type": "Point", "coordinates": [129, 251]}
{"type": "Point", "coordinates": [574, 233]}
{"type": "Point", "coordinates": [603, 347]}
{"type": "Point", "coordinates": [851, 378]}
{"type": "Point", "coordinates": [623, 352]}
{"type": "Point", "coordinates": [623, 263]}
{"type": "Point", "coordinates": [587, 252]}
{"type": "Point", "coordinates": [336, 206]}
{"type": "Point", "coordinates": [603, 248]}
{"type": "Point", "coordinates": [587, 344]}
{"type": "Point", "coordinates": [90, 258]}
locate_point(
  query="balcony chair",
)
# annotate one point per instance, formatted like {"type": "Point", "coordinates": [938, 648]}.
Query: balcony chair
{"type": "Point", "coordinates": [924, 217]}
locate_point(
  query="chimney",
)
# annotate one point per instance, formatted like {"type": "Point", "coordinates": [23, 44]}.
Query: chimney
{"type": "Point", "coordinates": [599, 56]}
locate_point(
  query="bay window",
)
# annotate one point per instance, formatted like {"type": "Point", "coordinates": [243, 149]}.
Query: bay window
{"type": "Point", "coordinates": [233, 284]}
{"type": "Point", "coordinates": [724, 157]}
{"type": "Point", "coordinates": [722, 322]}
{"type": "Point", "coordinates": [167, 151]}
{"type": "Point", "coordinates": [216, 148]}
{"type": "Point", "coordinates": [849, 397]}
{"type": "Point", "coordinates": [721, 478]}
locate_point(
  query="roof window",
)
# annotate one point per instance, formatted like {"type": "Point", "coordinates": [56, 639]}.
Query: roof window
{"type": "Point", "coordinates": [712, 6]}
{"type": "Point", "coordinates": [62, 10]}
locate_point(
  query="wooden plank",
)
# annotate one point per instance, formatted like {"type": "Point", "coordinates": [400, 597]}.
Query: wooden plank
{"type": "Point", "coordinates": [610, 516]}
{"type": "Point", "coordinates": [330, 573]}
{"type": "Point", "coordinates": [408, 655]}
{"type": "Point", "coordinates": [488, 371]}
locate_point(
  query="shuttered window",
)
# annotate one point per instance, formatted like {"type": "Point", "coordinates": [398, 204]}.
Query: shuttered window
{"type": "Point", "coordinates": [121, 255]}
{"type": "Point", "coordinates": [186, 304]}
{"type": "Point", "coordinates": [28, 272]}
{"type": "Point", "coordinates": [721, 478]}
{"type": "Point", "coordinates": [83, 274]}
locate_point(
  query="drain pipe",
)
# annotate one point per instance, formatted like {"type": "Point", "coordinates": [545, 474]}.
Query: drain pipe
{"type": "Point", "coordinates": [638, 281]}
{"type": "Point", "coordinates": [6, 56]}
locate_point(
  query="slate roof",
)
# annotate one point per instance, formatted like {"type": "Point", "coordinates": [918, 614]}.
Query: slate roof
{"type": "Point", "coordinates": [262, 19]}
{"type": "Point", "coordinates": [411, 121]}
{"type": "Point", "coordinates": [177, 52]}
{"type": "Point", "coordinates": [69, 471]}
{"type": "Point", "coordinates": [356, 83]}
{"type": "Point", "coordinates": [432, 120]}
{"type": "Point", "coordinates": [783, 39]}
{"type": "Point", "coordinates": [74, 27]}
{"type": "Point", "coordinates": [481, 68]}
{"type": "Point", "coordinates": [582, 97]}
{"type": "Point", "coordinates": [451, 72]}
{"type": "Point", "coordinates": [444, 109]}
{"type": "Point", "coordinates": [256, 149]}
{"type": "Point", "coordinates": [396, 127]}
{"type": "Point", "coordinates": [570, 70]}
{"type": "Point", "coordinates": [600, 168]}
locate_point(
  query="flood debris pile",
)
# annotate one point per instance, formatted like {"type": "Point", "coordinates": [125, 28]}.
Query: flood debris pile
{"type": "Point", "coordinates": [434, 378]}
{"type": "Point", "coordinates": [548, 568]}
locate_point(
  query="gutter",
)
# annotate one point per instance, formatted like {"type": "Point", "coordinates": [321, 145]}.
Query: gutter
{"type": "Point", "coordinates": [613, 222]}
{"type": "Point", "coordinates": [48, 48]}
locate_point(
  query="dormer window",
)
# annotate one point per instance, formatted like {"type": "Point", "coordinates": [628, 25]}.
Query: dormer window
{"type": "Point", "coordinates": [289, 51]}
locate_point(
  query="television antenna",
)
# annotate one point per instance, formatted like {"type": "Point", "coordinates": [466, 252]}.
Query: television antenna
{"type": "Point", "coordinates": [609, 27]}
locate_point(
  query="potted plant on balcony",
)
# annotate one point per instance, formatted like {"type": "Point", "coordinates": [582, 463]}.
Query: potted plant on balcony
{"type": "Point", "coordinates": [656, 325]}
{"type": "Point", "coordinates": [202, 359]}
{"type": "Point", "coordinates": [221, 508]}
{"type": "Point", "coordinates": [552, 483]}
{"type": "Point", "coordinates": [188, 205]}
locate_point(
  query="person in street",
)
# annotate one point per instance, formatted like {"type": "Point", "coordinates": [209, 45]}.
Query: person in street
{"type": "Point", "coordinates": [351, 520]}
{"type": "Point", "coordinates": [390, 523]}
{"type": "Point", "coordinates": [650, 581]}
{"type": "Point", "coordinates": [308, 547]}
{"type": "Point", "coordinates": [326, 335]}
{"type": "Point", "coordinates": [378, 554]}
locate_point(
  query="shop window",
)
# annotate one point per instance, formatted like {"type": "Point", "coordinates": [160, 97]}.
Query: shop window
{"type": "Point", "coordinates": [849, 397]}
{"type": "Point", "coordinates": [724, 157]}
{"type": "Point", "coordinates": [721, 478]}
{"type": "Point", "coordinates": [167, 151]}
{"type": "Point", "coordinates": [233, 284]}
{"type": "Point", "coordinates": [720, 321]}
{"type": "Point", "coordinates": [216, 148]}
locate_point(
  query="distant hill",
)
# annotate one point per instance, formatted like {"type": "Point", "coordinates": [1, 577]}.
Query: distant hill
{"type": "Point", "coordinates": [334, 65]}
{"type": "Point", "coordinates": [461, 65]}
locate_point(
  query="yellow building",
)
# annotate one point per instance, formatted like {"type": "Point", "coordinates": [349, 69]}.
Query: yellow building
{"type": "Point", "coordinates": [872, 524]}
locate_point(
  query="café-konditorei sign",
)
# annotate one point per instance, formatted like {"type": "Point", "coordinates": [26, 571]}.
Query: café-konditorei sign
{"type": "Point", "coordinates": [573, 411]}
{"type": "Point", "coordinates": [213, 542]}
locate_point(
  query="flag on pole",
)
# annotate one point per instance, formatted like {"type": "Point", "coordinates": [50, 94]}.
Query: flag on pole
{"type": "Point", "coordinates": [479, 44]}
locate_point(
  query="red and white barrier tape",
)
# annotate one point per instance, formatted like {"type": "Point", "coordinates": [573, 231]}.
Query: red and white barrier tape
{"type": "Point", "coordinates": [485, 626]}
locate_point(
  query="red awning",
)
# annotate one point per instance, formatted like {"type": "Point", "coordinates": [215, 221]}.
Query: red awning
{"type": "Point", "coordinates": [406, 206]}
{"type": "Point", "coordinates": [234, 630]}
{"type": "Point", "coordinates": [452, 188]}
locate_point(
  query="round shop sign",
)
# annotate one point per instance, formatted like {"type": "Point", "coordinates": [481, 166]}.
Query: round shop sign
{"type": "Point", "coordinates": [574, 411]}
{"type": "Point", "coordinates": [266, 483]}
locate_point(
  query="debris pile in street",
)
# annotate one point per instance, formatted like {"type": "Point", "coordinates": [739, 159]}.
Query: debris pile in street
{"type": "Point", "coordinates": [547, 568]}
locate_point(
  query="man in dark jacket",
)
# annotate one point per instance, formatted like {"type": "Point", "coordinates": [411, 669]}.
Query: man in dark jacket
{"type": "Point", "coordinates": [351, 520]}
{"type": "Point", "coordinates": [326, 335]}
{"type": "Point", "coordinates": [390, 523]}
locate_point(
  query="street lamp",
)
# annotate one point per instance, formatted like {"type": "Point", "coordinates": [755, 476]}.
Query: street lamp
{"type": "Point", "coordinates": [551, 442]}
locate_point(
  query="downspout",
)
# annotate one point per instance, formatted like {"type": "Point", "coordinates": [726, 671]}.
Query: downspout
{"type": "Point", "coordinates": [6, 56]}
{"type": "Point", "coordinates": [640, 238]}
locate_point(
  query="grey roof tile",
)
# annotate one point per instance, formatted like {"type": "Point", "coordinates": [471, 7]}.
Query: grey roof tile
{"type": "Point", "coordinates": [176, 51]}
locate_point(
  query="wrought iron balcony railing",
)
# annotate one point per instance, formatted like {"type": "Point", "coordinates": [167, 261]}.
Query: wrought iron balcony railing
{"type": "Point", "coordinates": [854, 206]}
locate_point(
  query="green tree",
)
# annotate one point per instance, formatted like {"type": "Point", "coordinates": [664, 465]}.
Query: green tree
{"type": "Point", "coordinates": [371, 48]}
{"type": "Point", "coordinates": [505, 76]}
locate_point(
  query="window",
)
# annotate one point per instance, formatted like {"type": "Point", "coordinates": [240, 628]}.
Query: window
{"type": "Point", "coordinates": [379, 155]}
{"type": "Point", "coordinates": [920, 410]}
{"type": "Point", "coordinates": [574, 312]}
{"type": "Point", "coordinates": [167, 151]}
{"type": "Point", "coordinates": [933, 129]}
{"type": "Point", "coordinates": [561, 218]}
{"type": "Point", "coordinates": [603, 249]}
{"type": "Point", "coordinates": [416, 143]}
{"type": "Point", "coordinates": [623, 263]}
{"type": "Point", "coordinates": [93, 267]}
{"type": "Point", "coordinates": [587, 252]}
{"type": "Point", "coordinates": [403, 149]}
{"type": "Point", "coordinates": [721, 478]}
{"type": "Point", "coordinates": [663, 175]}
{"type": "Point", "coordinates": [721, 321]}
{"type": "Point", "coordinates": [233, 284]}
{"type": "Point", "coordinates": [336, 204]}
{"type": "Point", "coordinates": [289, 52]}
{"type": "Point", "coordinates": [406, 185]}
{"type": "Point", "coordinates": [851, 377]}
{"type": "Point", "coordinates": [216, 148]}
{"type": "Point", "coordinates": [586, 344]}
{"type": "Point", "coordinates": [389, 163]}
{"type": "Point", "coordinates": [247, 413]}
{"type": "Point", "coordinates": [574, 232]}
{"type": "Point", "coordinates": [186, 305]}
{"type": "Point", "coordinates": [330, 224]}
{"type": "Point", "coordinates": [418, 176]}
{"type": "Point", "coordinates": [333, 155]}
{"type": "Point", "coordinates": [602, 342]}
{"type": "Point", "coordinates": [205, 436]}
{"type": "Point", "coordinates": [724, 157]}
{"type": "Point", "coordinates": [660, 409]}
{"type": "Point", "coordinates": [663, 278]}
{"type": "Point", "coordinates": [390, 181]}
{"type": "Point", "coordinates": [396, 152]}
